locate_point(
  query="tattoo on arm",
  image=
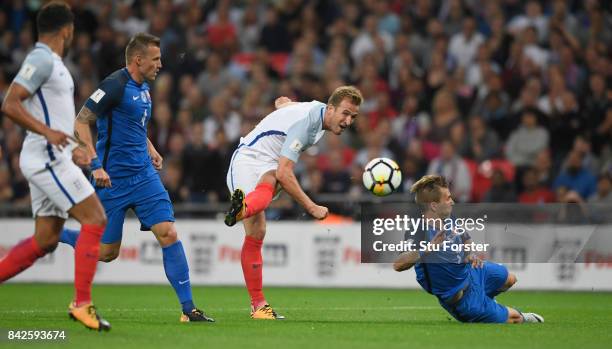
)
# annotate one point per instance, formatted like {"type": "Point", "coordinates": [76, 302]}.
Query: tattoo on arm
{"type": "Point", "coordinates": [86, 116]}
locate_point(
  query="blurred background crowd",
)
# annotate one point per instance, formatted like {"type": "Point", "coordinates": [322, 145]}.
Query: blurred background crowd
{"type": "Point", "coordinates": [509, 99]}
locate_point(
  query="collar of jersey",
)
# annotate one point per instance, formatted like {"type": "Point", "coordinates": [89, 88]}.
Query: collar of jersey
{"type": "Point", "coordinates": [323, 113]}
{"type": "Point", "coordinates": [46, 48]}
{"type": "Point", "coordinates": [130, 77]}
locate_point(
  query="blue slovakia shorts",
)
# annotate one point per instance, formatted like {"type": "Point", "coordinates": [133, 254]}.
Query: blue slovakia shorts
{"type": "Point", "coordinates": [478, 303]}
{"type": "Point", "coordinates": [144, 193]}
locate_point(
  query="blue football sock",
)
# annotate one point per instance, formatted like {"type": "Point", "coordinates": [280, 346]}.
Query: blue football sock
{"type": "Point", "coordinates": [177, 272]}
{"type": "Point", "coordinates": [69, 236]}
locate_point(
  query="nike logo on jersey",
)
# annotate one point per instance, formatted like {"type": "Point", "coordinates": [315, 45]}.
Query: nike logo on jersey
{"type": "Point", "coordinates": [183, 282]}
{"type": "Point", "coordinates": [135, 98]}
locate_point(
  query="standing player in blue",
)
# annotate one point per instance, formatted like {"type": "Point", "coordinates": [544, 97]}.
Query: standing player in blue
{"type": "Point", "coordinates": [465, 286]}
{"type": "Point", "coordinates": [125, 165]}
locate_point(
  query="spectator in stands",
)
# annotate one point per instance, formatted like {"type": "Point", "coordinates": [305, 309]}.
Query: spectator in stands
{"type": "Point", "coordinates": [214, 78]}
{"type": "Point", "coordinates": [370, 39]}
{"type": "Point", "coordinates": [454, 168]}
{"type": "Point", "coordinates": [527, 141]}
{"type": "Point", "coordinates": [336, 179]}
{"type": "Point", "coordinates": [604, 190]}
{"type": "Point", "coordinates": [173, 181]}
{"type": "Point", "coordinates": [575, 177]}
{"type": "Point", "coordinates": [481, 143]}
{"type": "Point", "coordinates": [544, 168]}
{"type": "Point", "coordinates": [533, 191]}
{"type": "Point", "coordinates": [501, 189]}
{"type": "Point", "coordinates": [464, 45]}
{"type": "Point", "coordinates": [221, 118]}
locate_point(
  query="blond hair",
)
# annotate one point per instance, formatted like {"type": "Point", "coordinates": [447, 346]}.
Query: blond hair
{"type": "Point", "coordinates": [342, 92]}
{"type": "Point", "coordinates": [427, 189]}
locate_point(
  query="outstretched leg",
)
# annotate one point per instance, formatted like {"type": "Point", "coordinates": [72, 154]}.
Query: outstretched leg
{"type": "Point", "coordinates": [27, 251]}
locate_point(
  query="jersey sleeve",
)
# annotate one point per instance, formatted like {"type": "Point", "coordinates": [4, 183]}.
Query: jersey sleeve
{"type": "Point", "coordinates": [301, 135]}
{"type": "Point", "coordinates": [105, 97]}
{"type": "Point", "coordinates": [35, 70]}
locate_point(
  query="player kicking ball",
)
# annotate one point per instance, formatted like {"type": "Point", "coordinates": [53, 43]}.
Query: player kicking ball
{"type": "Point", "coordinates": [265, 159]}
{"type": "Point", "coordinates": [464, 285]}
{"type": "Point", "coordinates": [125, 165]}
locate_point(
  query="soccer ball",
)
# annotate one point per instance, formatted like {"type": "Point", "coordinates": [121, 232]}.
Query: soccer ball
{"type": "Point", "coordinates": [382, 176]}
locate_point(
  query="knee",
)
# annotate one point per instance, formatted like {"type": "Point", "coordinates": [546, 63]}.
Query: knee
{"type": "Point", "coordinates": [255, 226]}
{"type": "Point", "coordinates": [96, 217]}
{"type": "Point", "coordinates": [510, 281]}
{"type": "Point", "coordinates": [168, 236]}
{"type": "Point", "coordinates": [257, 232]}
{"type": "Point", "coordinates": [50, 246]}
{"type": "Point", "coordinates": [48, 243]}
{"type": "Point", "coordinates": [100, 219]}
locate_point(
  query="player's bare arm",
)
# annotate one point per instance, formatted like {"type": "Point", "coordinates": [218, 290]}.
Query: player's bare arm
{"type": "Point", "coordinates": [407, 260]}
{"type": "Point", "coordinates": [14, 109]}
{"type": "Point", "coordinates": [156, 158]}
{"type": "Point", "coordinates": [286, 177]}
{"type": "Point", "coordinates": [82, 131]}
{"type": "Point", "coordinates": [85, 152]}
{"type": "Point", "coordinates": [83, 134]}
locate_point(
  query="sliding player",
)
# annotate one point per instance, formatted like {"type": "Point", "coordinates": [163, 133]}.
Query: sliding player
{"type": "Point", "coordinates": [464, 285]}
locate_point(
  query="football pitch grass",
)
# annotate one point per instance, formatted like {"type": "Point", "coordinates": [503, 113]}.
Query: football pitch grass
{"type": "Point", "coordinates": [147, 317]}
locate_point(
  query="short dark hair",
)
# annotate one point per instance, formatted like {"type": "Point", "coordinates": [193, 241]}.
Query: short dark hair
{"type": "Point", "coordinates": [139, 44]}
{"type": "Point", "coordinates": [53, 17]}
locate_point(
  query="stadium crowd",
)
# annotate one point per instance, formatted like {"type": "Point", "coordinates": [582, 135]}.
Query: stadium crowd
{"type": "Point", "coordinates": [509, 99]}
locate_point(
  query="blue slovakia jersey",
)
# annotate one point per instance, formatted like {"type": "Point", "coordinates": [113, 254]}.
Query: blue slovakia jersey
{"type": "Point", "coordinates": [442, 273]}
{"type": "Point", "coordinates": [123, 108]}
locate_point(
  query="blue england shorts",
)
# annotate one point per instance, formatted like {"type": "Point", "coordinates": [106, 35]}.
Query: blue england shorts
{"type": "Point", "coordinates": [478, 302]}
{"type": "Point", "coordinates": [143, 193]}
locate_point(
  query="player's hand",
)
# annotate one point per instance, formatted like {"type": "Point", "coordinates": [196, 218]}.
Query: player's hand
{"type": "Point", "coordinates": [438, 238]}
{"type": "Point", "coordinates": [157, 160]}
{"type": "Point", "coordinates": [57, 138]}
{"type": "Point", "coordinates": [101, 178]}
{"type": "Point", "coordinates": [81, 157]}
{"type": "Point", "coordinates": [280, 101]}
{"type": "Point", "coordinates": [475, 261]}
{"type": "Point", "coordinates": [318, 212]}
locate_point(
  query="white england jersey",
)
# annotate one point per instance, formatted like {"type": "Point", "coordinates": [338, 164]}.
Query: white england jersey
{"type": "Point", "coordinates": [287, 131]}
{"type": "Point", "coordinates": [56, 183]}
{"type": "Point", "coordinates": [51, 102]}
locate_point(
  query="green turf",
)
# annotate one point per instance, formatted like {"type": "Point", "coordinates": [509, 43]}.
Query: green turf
{"type": "Point", "coordinates": [147, 317]}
